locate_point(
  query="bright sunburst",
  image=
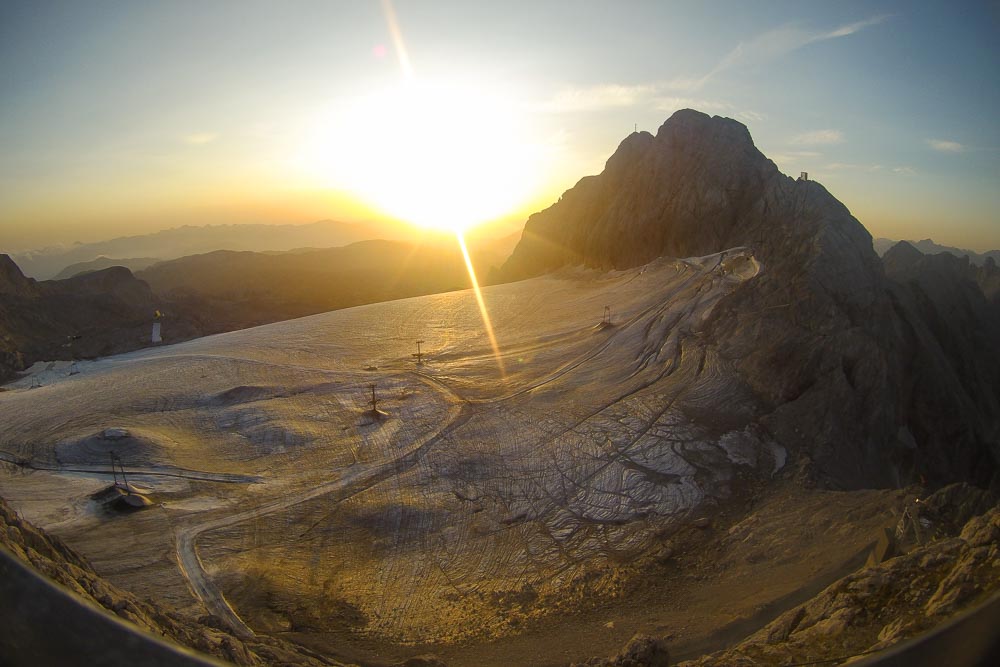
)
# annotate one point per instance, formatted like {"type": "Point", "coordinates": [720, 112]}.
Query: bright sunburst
{"type": "Point", "coordinates": [437, 155]}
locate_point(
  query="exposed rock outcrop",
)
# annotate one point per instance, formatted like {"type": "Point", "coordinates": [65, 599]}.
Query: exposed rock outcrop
{"type": "Point", "coordinates": [98, 313]}
{"type": "Point", "coordinates": [52, 558]}
{"type": "Point", "coordinates": [929, 247]}
{"type": "Point", "coordinates": [699, 186]}
{"type": "Point", "coordinates": [12, 281]}
{"type": "Point", "coordinates": [904, 263]}
{"type": "Point", "coordinates": [946, 347]}
{"type": "Point", "coordinates": [988, 279]}
{"type": "Point", "coordinates": [981, 269]}
{"type": "Point", "coordinates": [954, 566]}
{"type": "Point", "coordinates": [641, 651]}
{"type": "Point", "coordinates": [819, 335]}
{"type": "Point", "coordinates": [131, 263]}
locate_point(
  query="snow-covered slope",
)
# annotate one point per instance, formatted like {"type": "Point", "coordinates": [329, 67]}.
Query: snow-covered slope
{"type": "Point", "coordinates": [491, 477]}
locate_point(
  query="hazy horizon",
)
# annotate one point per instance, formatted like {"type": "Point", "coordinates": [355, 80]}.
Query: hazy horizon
{"type": "Point", "coordinates": [494, 230]}
{"type": "Point", "coordinates": [126, 119]}
{"type": "Point", "coordinates": [488, 231]}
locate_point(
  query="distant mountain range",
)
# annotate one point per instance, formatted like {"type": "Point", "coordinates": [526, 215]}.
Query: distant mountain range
{"type": "Point", "coordinates": [131, 263]}
{"type": "Point", "coordinates": [929, 247]}
{"type": "Point", "coordinates": [177, 242]}
{"type": "Point", "coordinates": [104, 310]}
{"type": "Point", "coordinates": [981, 268]}
{"type": "Point", "coordinates": [235, 290]}
{"type": "Point", "coordinates": [95, 314]}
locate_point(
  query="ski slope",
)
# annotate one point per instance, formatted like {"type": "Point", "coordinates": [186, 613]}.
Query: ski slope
{"type": "Point", "coordinates": [493, 489]}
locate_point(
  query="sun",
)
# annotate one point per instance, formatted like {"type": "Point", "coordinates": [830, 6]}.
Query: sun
{"type": "Point", "coordinates": [440, 156]}
{"type": "Point", "coordinates": [444, 157]}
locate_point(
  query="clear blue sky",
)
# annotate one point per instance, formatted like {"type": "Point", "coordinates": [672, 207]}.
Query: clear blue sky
{"type": "Point", "coordinates": [126, 117]}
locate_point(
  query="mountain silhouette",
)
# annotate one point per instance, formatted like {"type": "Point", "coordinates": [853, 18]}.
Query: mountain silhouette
{"type": "Point", "coordinates": [868, 384]}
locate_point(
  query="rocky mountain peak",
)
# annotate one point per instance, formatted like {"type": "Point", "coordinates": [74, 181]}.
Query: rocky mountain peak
{"type": "Point", "coordinates": [901, 257]}
{"type": "Point", "coordinates": [93, 314]}
{"type": "Point", "coordinates": [698, 186]}
{"type": "Point", "coordinates": [103, 280]}
{"type": "Point", "coordinates": [690, 126]}
{"type": "Point", "coordinates": [632, 148]}
{"type": "Point", "coordinates": [819, 335]}
{"type": "Point", "coordinates": [116, 281]}
{"type": "Point", "coordinates": [12, 281]}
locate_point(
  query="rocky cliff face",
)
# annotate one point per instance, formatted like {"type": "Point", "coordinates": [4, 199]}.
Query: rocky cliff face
{"type": "Point", "coordinates": [819, 335]}
{"type": "Point", "coordinates": [988, 279]}
{"type": "Point", "coordinates": [904, 262]}
{"type": "Point", "coordinates": [946, 347]}
{"type": "Point", "coordinates": [52, 558]}
{"type": "Point", "coordinates": [698, 186]}
{"type": "Point", "coordinates": [99, 313]}
{"type": "Point", "coordinates": [12, 281]}
{"type": "Point", "coordinates": [953, 566]}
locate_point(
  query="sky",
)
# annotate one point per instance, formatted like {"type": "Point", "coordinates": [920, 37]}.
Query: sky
{"type": "Point", "coordinates": [120, 118]}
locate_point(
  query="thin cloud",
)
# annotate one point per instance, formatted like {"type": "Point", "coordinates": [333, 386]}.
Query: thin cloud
{"type": "Point", "coordinates": [852, 28]}
{"type": "Point", "coordinates": [780, 42]}
{"type": "Point", "coordinates": [795, 155]}
{"type": "Point", "coordinates": [200, 138]}
{"type": "Point", "coordinates": [601, 97]}
{"type": "Point", "coordinates": [946, 146]}
{"type": "Point", "coordinates": [850, 166]}
{"type": "Point", "coordinates": [682, 83]}
{"type": "Point", "coordinates": [764, 48]}
{"type": "Point", "coordinates": [818, 138]}
{"type": "Point", "coordinates": [674, 103]}
{"type": "Point", "coordinates": [904, 171]}
{"type": "Point", "coordinates": [595, 98]}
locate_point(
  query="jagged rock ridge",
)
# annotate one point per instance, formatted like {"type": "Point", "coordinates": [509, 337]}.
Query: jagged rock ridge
{"type": "Point", "coordinates": [52, 558]}
{"type": "Point", "coordinates": [950, 568]}
{"type": "Point", "coordinates": [929, 247]}
{"type": "Point", "coordinates": [848, 376]}
{"type": "Point", "coordinates": [98, 313]}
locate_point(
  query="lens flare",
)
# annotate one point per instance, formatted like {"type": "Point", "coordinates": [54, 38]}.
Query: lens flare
{"type": "Point", "coordinates": [441, 156]}
{"type": "Point", "coordinates": [482, 305]}
{"type": "Point", "coordinates": [397, 38]}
